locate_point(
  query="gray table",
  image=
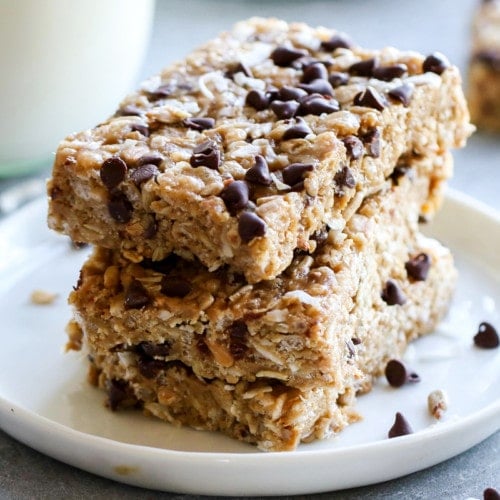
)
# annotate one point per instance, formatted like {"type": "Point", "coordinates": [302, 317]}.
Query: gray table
{"type": "Point", "coordinates": [426, 26]}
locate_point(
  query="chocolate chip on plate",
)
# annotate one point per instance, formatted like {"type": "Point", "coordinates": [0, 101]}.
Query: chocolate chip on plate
{"type": "Point", "coordinates": [354, 146]}
{"type": "Point", "coordinates": [118, 392]}
{"type": "Point", "coordinates": [257, 100]}
{"type": "Point", "coordinates": [250, 226]}
{"type": "Point", "coordinates": [113, 172]}
{"type": "Point", "coordinates": [206, 154]}
{"type": "Point", "coordinates": [120, 208]}
{"type": "Point", "coordinates": [284, 56]}
{"type": "Point", "coordinates": [401, 427]}
{"type": "Point", "coordinates": [338, 41]}
{"type": "Point", "coordinates": [491, 494]}
{"type": "Point", "coordinates": [235, 196]}
{"type": "Point", "coordinates": [259, 172]}
{"type": "Point", "coordinates": [136, 296]}
{"type": "Point", "coordinates": [435, 63]}
{"type": "Point", "coordinates": [370, 98]}
{"type": "Point", "coordinates": [402, 93]}
{"type": "Point", "coordinates": [143, 173]}
{"type": "Point", "coordinates": [398, 374]}
{"type": "Point", "coordinates": [392, 294]}
{"type": "Point", "coordinates": [486, 336]}
{"type": "Point", "coordinates": [418, 267]}
{"type": "Point", "coordinates": [297, 131]}
{"type": "Point", "coordinates": [202, 123]}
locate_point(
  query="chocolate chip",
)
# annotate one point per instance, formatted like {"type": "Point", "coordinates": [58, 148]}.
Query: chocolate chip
{"type": "Point", "coordinates": [113, 172]}
{"type": "Point", "coordinates": [238, 332]}
{"type": "Point", "coordinates": [392, 294]}
{"type": "Point", "coordinates": [294, 173]}
{"type": "Point", "coordinates": [316, 104]}
{"type": "Point", "coordinates": [284, 56]}
{"type": "Point", "coordinates": [401, 427]}
{"type": "Point", "coordinates": [152, 350]}
{"type": "Point", "coordinates": [402, 94]}
{"type": "Point", "coordinates": [164, 90]}
{"type": "Point", "coordinates": [118, 392]}
{"type": "Point", "coordinates": [320, 236]}
{"type": "Point", "coordinates": [488, 57]}
{"type": "Point", "coordinates": [371, 141]}
{"type": "Point", "coordinates": [207, 155]}
{"type": "Point", "coordinates": [435, 63]}
{"type": "Point", "coordinates": [130, 110]}
{"type": "Point", "coordinates": [284, 109]}
{"type": "Point", "coordinates": [175, 287]}
{"type": "Point", "coordinates": [491, 493]}
{"type": "Point", "coordinates": [370, 98]}
{"type": "Point", "coordinates": [314, 71]}
{"type": "Point", "coordinates": [486, 337]}
{"type": "Point", "coordinates": [398, 172]}
{"type": "Point", "coordinates": [199, 124]}
{"type": "Point", "coordinates": [363, 68]}
{"type": "Point", "coordinates": [336, 42]}
{"type": "Point", "coordinates": [151, 229]}
{"type": "Point", "coordinates": [356, 341]}
{"type": "Point", "coordinates": [120, 208]}
{"type": "Point", "coordinates": [290, 93]}
{"type": "Point", "coordinates": [337, 79]}
{"type": "Point", "coordinates": [353, 146]}
{"type": "Point", "coordinates": [388, 73]}
{"type": "Point", "coordinates": [344, 178]}
{"type": "Point", "coordinates": [136, 296]}
{"type": "Point", "coordinates": [142, 129]}
{"type": "Point", "coordinates": [297, 131]}
{"type": "Point", "coordinates": [238, 68]}
{"type": "Point", "coordinates": [259, 172]}
{"type": "Point", "coordinates": [397, 374]}
{"type": "Point", "coordinates": [257, 100]}
{"type": "Point", "coordinates": [149, 367]}
{"type": "Point", "coordinates": [152, 159]}
{"type": "Point", "coordinates": [317, 86]}
{"type": "Point", "coordinates": [250, 226]}
{"type": "Point", "coordinates": [418, 267]}
{"type": "Point", "coordinates": [143, 173]}
{"type": "Point", "coordinates": [235, 196]}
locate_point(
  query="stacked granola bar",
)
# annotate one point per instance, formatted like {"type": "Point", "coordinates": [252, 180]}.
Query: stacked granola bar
{"type": "Point", "coordinates": [254, 210]}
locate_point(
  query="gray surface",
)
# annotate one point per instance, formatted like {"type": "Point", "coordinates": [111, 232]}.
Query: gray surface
{"type": "Point", "coordinates": [426, 26]}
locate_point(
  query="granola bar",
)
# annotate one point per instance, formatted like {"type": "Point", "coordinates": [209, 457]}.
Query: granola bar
{"type": "Point", "coordinates": [484, 70]}
{"type": "Point", "coordinates": [239, 154]}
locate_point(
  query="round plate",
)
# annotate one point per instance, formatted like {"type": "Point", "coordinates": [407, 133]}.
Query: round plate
{"type": "Point", "coordinates": [46, 403]}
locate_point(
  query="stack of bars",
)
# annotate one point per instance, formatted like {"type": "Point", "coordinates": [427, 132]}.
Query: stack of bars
{"type": "Point", "coordinates": [484, 70]}
{"type": "Point", "coordinates": [254, 211]}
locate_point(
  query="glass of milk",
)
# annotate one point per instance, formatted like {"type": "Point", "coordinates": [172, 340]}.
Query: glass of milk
{"type": "Point", "coordinates": [64, 66]}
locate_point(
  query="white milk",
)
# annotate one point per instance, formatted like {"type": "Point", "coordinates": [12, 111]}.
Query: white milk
{"type": "Point", "coordinates": [64, 66]}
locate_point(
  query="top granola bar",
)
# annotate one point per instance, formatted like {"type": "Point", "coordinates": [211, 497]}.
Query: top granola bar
{"type": "Point", "coordinates": [239, 154]}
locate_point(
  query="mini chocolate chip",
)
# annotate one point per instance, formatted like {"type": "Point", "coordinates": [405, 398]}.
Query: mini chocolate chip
{"type": "Point", "coordinates": [175, 287]}
{"type": "Point", "coordinates": [398, 172]}
{"type": "Point", "coordinates": [353, 146]}
{"type": "Point", "coordinates": [402, 93]}
{"type": "Point", "coordinates": [143, 173]}
{"type": "Point", "coordinates": [320, 236]}
{"type": "Point", "coordinates": [392, 294]}
{"type": "Point", "coordinates": [136, 296]}
{"type": "Point", "coordinates": [142, 129]}
{"type": "Point", "coordinates": [149, 368]}
{"type": "Point", "coordinates": [78, 245]}
{"type": "Point", "coordinates": [294, 173]}
{"type": "Point", "coordinates": [151, 229]}
{"type": "Point", "coordinates": [113, 172]}
{"type": "Point", "coordinates": [238, 68]}
{"type": "Point", "coordinates": [152, 159]}
{"type": "Point", "coordinates": [199, 124]}
{"type": "Point", "coordinates": [235, 196]}
{"type": "Point", "coordinates": [344, 178]}
{"type": "Point", "coordinates": [371, 141]}
{"type": "Point", "coordinates": [418, 267]}
{"type": "Point", "coordinates": [314, 71]}
{"type": "Point", "coordinates": [120, 208]}
{"type": "Point", "coordinates": [118, 391]}
{"type": "Point", "coordinates": [388, 73]}
{"type": "Point", "coordinates": [397, 374]}
{"type": "Point", "coordinates": [356, 341]}
{"type": "Point", "coordinates": [435, 63]}
{"type": "Point", "coordinates": [486, 337]}
{"type": "Point", "coordinates": [259, 172]}
{"type": "Point", "coordinates": [152, 350]}
{"type": "Point", "coordinates": [370, 98]}
{"type": "Point", "coordinates": [257, 100]}
{"type": "Point", "coordinates": [290, 93]}
{"type": "Point", "coordinates": [164, 90]}
{"type": "Point", "coordinates": [401, 427]}
{"type": "Point", "coordinates": [491, 493]}
{"type": "Point", "coordinates": [284, 109]}
{"type": "Point", "coordinates": [337, 79]}
{"type": "Point", "coordinates": [250, 226]}
{"type": "Point", "coordinates": [316, 104]}
{"type": "Point", "coordinates": [488, 57]}
{"type": "Point", "coordinates": [207, 155]}
{"type": "Point", "coordinates": [130, 110]}
{"type": "Point", "coordinates": [363, 68]}
{"type": "Point", "coordinates": [284, 56]}
{"type": "Point", "coordinates": [297, 131]}
{"type": "Point", "coordinates": [337, 41]}
{"type": "Point", "coordinates": [317, 86]}
{"type": "Point", "coordinates": [238, 332]}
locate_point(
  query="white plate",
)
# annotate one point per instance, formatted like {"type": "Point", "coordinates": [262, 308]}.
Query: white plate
{"type": "Point", "coordinates": [46, 403]}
